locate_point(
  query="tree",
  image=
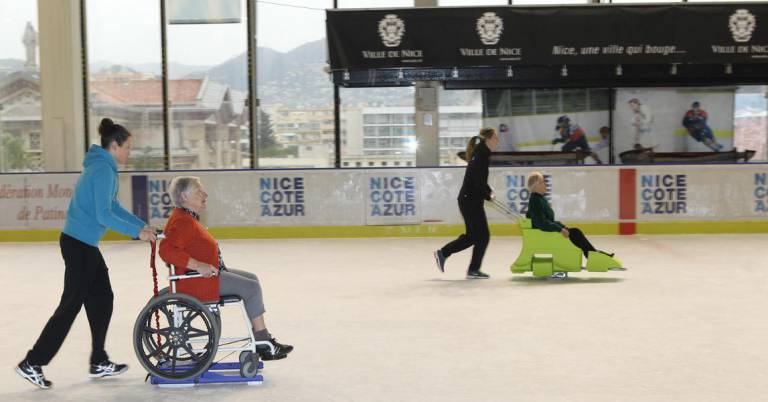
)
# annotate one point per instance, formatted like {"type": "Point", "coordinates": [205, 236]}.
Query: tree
{"type": "Point", "coordinates": [14, 156]}
{"type": "Point", "coordinates": [266, 133]}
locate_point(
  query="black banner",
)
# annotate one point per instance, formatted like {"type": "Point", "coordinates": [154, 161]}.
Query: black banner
{"type": "Point", "coordinates": [530, 36]}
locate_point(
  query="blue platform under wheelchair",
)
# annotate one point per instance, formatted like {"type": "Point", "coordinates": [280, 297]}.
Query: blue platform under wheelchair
{"type": "Point", "coordinates": [216, 374]}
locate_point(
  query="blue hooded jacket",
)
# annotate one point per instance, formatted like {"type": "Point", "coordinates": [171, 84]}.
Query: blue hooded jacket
{"type": "Point", "coordinates": [94, 207]}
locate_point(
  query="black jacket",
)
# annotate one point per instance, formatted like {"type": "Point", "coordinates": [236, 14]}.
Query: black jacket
{"type": "Point", "coordinates": [475, 186]}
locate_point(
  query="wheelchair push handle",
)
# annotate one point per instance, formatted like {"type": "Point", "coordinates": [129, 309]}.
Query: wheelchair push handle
{"type": "Point", "coordinates": [504, 209]}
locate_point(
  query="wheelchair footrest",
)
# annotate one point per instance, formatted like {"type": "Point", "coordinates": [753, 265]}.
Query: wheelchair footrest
{"type": "Point", "coordinates": [214, 375]}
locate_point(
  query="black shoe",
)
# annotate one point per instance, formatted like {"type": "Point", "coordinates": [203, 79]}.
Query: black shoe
{"type": "Point", "coordinates": [606, 253]}
{"type": "Point", "coordinates": [33, 374]}
{"type": "Point", "coordinates": [285, 348]}
{"type": "Point", "coordinates": [477, 275]}
{"type": "Point", "coordinates": [440, 259]}
{"type": "Point", "coordinates": [281, 351]}
{"type": "Point", "coordinates": [107, 369]}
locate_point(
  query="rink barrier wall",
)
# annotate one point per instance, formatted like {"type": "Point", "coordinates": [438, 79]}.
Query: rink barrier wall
{"type": "Point", "coordinates": [297, 232]}
{"type": "Point", "coordinates": [702, 227]}
{"type": "Point", "coordinates": [288, 232]}
{"type": "Point", "coordinates": [414, 202]}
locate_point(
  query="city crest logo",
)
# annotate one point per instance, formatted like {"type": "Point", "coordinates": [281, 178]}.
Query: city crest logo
{"type": "Point", "coordinates": [391, 30]}
{"type": "Point", "coordinates": [742, 23]}
{"type": "Point", "coordinates": [489, 27]}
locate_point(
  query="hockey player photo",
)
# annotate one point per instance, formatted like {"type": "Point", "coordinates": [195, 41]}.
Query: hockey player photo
{"type": "Point", "coordinates": [695, 121]}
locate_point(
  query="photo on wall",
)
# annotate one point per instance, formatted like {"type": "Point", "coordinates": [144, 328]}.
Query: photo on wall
{"type": "Point", "coordinates": [573, 122]}
{"type": "Point", "coordinates": [680, 120]}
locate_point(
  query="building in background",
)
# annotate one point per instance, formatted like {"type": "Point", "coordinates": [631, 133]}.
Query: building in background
{"type": "Point", "coordinates": [206, 129]}
{"type": "Point", "coordinates": [386, 136]}
{"type": "Point", "coordinates": [305, 137]}
{"type": "Point", "coordinates": [21, 145]}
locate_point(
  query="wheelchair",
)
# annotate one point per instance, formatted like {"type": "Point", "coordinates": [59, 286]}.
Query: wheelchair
{"type": "Point", "coordinates": [177, 336]}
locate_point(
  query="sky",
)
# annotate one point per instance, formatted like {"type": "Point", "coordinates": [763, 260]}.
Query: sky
{"type": "Point", "coordinates": [14, 15]}
{"type": "Point", "coordinates": [128, 31]}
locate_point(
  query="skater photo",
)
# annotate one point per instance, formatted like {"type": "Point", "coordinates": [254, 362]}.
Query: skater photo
{"type": "Point", "coordinates": [525, 118]}
{"type": "Point", "coordinates": [695, 121]}
{"type": "Point", "coordinates": [642, 124]}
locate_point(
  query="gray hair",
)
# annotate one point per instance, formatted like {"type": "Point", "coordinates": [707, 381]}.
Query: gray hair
{"type": "Point", "coordinates": [534, 178]}
{"type": "Point", "coordinates": [181, 186]}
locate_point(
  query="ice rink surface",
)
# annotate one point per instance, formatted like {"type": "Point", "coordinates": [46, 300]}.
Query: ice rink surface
{"type": "Point", "coordinates": [373, 320]}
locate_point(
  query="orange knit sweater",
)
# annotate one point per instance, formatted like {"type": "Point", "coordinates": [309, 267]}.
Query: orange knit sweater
{"type": "Point", "coordinates": [185, 237]}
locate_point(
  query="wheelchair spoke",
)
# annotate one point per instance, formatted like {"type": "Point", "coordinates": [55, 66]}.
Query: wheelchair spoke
{"type": "Point", "coordinates": [161, 331]}
{"type": "Point", "coordinates": [159, 349]}
{"type": "Point", "coordinates": [196, 333]}
{"type": "Point", "coordinates": [192, 354]}
{"type": "Point", "coordinates": [167, 314]}
{"type": "Point", "coordinates": [173, 361]}
{"type": "Point", "coordinates": [190, 317]}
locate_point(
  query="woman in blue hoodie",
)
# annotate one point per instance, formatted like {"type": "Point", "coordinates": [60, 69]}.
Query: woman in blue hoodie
{"type": "Point", "coordinates": [92, 210]}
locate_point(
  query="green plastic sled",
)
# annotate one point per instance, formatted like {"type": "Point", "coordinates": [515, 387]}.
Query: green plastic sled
{"type": "Point", "coordinates": [545, 253]}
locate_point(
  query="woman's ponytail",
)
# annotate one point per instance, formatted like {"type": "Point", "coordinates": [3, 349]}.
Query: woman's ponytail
{"type": "Point", "coordinates": [111, 132]}
{"type": "Point", "coordinates": [485, 133]}
{"type": "Point", "coordinates": [471, 146]}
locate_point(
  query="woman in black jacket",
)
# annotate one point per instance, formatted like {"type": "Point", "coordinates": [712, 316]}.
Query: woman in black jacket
{"type": "Point", "coordinates": [543, 218]}
{"type": "Point", "coordinates": [474, 191]}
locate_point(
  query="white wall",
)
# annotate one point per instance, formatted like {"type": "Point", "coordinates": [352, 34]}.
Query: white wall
{"type": "Point", "coordinates": [346, 197]}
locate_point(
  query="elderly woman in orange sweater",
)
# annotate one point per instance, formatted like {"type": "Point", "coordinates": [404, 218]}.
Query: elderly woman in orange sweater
{"type": "Point", "coordinates": [189, 246]}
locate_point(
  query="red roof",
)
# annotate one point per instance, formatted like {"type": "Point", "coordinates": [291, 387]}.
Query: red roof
{"type": "Point", "coordinates": [146, 92]}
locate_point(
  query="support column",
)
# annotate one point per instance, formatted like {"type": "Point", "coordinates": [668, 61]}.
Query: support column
{"type": "Point", "coordinates": [61, 84]}
{"type": "Point", "coordinates": [219, 143]}
{"type": "Point", "coordinates": [427, 118]}
{"type": "Point", "coordinates": [202, 154]}
{"type": "Point", "coordinates": [238, 153]}
{"type": "Point", "coordinates": [427, 124]}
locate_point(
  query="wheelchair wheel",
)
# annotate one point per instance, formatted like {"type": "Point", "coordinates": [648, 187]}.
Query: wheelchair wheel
{"type": "Point", "coordinates": [151, 340]}
{"type": "Point", "coordinates": [249, 364]}
{"type": "Point", "coordinates": [183, 345]}
{"type": "Point", "coordinates": [216, 313]}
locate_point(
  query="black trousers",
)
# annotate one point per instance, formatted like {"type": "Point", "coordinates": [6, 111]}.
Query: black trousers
{"type": "Point", "coordinates": [86, 282]}
{"type": "Point", "coordinates": [581, 143]}
{"type": "Point", "coordinates": [476, 233]}
{"type": "Point", "coordinates": [579, 240]}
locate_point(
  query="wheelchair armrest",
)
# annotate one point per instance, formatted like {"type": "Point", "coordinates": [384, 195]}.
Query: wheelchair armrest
{"type": "Point", "coordinates": [188, 275]}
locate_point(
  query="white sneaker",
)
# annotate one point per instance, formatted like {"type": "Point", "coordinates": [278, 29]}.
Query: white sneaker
{"type": "Point", "coordinates": [33, 374]}
{"type": "Point", "coordinates": [107, 369]}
